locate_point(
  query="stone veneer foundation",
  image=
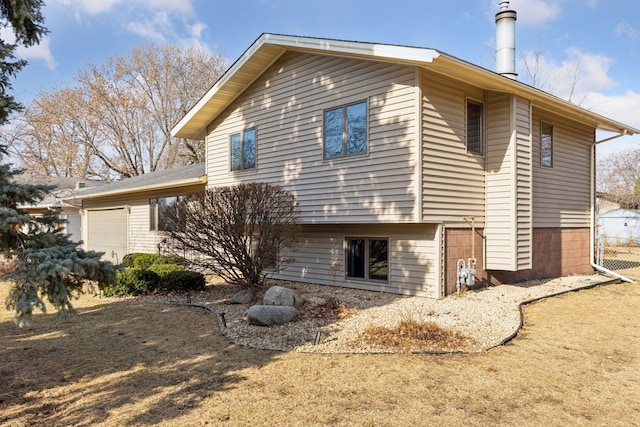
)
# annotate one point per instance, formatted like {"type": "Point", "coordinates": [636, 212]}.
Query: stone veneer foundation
{"type": "Point", "coordinates": [557, 252]}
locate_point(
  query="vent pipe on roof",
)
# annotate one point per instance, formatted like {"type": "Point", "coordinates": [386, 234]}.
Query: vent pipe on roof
{"type": "Point", "coordinates": [506, 41]}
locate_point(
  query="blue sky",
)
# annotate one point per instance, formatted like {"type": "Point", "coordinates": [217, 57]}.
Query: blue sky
{"type": "Point", "coordinates": [595, 43]}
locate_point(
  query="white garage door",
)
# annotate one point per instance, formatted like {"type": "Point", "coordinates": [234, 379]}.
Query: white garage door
{"type": "Point", "coordinates": [107, 232]}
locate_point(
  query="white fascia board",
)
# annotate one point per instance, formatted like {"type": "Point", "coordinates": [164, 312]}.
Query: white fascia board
{"type": "Point", "coordinates": [144, 188]}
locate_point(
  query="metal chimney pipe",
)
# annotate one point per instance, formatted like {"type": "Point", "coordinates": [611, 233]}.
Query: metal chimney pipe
{"type": "Point", "coordinates": [506, 41]}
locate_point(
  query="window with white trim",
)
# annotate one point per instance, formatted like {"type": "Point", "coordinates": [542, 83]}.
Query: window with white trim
{"type": "Point", "coordinates": [367, 258]}
{"type": "Point", "coordinates": [345, 130]}
{"type": "Point", "coordinates": [242, 150]}
{"type": "Point", "coordinates": [157, 212]}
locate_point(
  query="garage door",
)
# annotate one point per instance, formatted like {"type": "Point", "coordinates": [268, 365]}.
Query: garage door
{"type": "Point", "coordinates": [107, 232]}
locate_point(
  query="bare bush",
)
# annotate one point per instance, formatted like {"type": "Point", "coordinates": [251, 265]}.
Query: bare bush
{"type": "Point", "coordinates": [238, 232]}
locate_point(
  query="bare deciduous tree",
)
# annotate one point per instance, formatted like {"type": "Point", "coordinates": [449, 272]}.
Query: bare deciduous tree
{"type": "Point", "coordinates": [619, 177]}
{"type": "Point", "coordinates": [116, 121]}
{"type": "Point", "coordinates": [238, 231]}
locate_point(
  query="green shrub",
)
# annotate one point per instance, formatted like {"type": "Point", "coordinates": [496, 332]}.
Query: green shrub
{"type": "Point", "coordinates": [143, 261]}
{"type": "Point", "coordinates": [163, 269]}
{"type": "Point", "coordinates": [129, 259]}
{"type": "Point", "coordinates": [133, 281]}
{"type": "Point", "coordinates": [183, 281]}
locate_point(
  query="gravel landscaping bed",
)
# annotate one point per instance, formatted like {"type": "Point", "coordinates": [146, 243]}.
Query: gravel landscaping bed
{"type": "Point", "coordinates": [333, 319]}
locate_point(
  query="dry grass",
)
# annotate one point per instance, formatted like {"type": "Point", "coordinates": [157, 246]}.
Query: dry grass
{"type": "Point", "coordinates": [123, 363]}
{"type": "Point", "coordinates": [413, 336]}
{"type": "Point", "coordinates": [330, 309]}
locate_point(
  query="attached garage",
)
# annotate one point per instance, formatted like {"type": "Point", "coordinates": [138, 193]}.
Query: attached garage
{"type": "Point", "coordinates": [107, 232]}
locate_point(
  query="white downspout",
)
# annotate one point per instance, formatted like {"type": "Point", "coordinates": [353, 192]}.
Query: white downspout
{"type": "Point", "coordinates": [592, 223]}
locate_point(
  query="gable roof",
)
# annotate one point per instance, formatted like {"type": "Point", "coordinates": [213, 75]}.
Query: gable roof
{"type": "Point", "coordinates": [269, 47]}
{"type": "Point", "coordinates": [169, 178]}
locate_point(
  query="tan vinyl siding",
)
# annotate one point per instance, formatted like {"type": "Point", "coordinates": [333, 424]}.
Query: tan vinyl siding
{"type": "Point", "coordinates": [140, 237]}
{"type": "Point", "coordinates": [452, 179]}
{"type": "Point", "coordinates": [508, 206]}
{"type": "Point", "coordinates": [500, 239]}
{"type": "Point", "coordinates": [414, 258]}
{"type": "Point", "coordinates": [561, 195]}
{"type": "Point", "coordinates": [286, 106]}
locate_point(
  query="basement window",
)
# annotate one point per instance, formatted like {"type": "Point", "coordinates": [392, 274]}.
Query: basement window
{"type": "Point", "coordinates": [546, 145]}
{"type": "Point", "coordinates": [367, 258]}
{"type": "Point", "coordinates": [474, 126]}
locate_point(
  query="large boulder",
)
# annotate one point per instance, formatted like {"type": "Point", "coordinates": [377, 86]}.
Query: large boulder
{"type": "Point", "coordinates": [278, 295]}
{"type": "Point", "coordinates": [270, 315]}
{"type": "Point", "coordinates": [246, 296]}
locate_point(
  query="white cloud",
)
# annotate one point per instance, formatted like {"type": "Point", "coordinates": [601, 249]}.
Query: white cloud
{"type": "Point", "coordinates": [535, 13]}
{"type": "Point", "coordinates": [95, 7]}
{"type": "Point", "coordinates": [40, 51]}
{"type": "Point", "coordinates": [624, 29]}
{"type": "Point", "coordinates": [155, 29]}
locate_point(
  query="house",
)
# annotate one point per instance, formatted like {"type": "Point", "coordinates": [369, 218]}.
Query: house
{"type": "Point", "coordinates": [126, 216]}
{"type": "Point", "coordinates": [65, 188]}
{"type": "Point", "coordinates": [404, 161]}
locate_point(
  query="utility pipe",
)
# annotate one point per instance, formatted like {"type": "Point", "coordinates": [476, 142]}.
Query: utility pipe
{"type": "Point", "coordinates": [592, 222]}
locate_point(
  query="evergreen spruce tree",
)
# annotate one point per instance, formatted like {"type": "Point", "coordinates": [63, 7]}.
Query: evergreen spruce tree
{"type": "Point", "coordinates": [47, 263]}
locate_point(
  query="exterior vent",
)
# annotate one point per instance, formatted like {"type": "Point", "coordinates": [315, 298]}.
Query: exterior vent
{"type": "Point", "coordinates": [506, 41]}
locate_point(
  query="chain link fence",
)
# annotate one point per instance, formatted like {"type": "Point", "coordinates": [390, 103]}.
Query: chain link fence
{"type": "Point", "coordinates": [618, 242]}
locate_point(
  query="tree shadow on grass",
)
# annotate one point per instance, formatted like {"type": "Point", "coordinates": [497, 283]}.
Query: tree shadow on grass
{"type": "Point", "coordinates": [125, 361]}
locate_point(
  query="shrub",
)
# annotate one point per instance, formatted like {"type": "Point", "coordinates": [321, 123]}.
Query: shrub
{"type": "Point", "coordinates": [183, 280]}
{"type": "Point", "coordinates": [163, 269]}
{"type": "Point", "coordinates": [133, 282]}
{"type": "Point", "coordinates": [129, 259]}
{"type": "Point", "coordinates": [143, 261]}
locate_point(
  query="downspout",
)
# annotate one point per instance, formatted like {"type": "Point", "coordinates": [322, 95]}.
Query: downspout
{"type": "Point", "coordinates": [592, 223]}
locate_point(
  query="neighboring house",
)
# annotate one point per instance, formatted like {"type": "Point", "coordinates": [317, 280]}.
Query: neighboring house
{"type": "Point", "coordinates": [65, 188]}
{"type": "Point", "coordinates": [126, 216]}
{"type": "Point", "coordinates": [620, 227]}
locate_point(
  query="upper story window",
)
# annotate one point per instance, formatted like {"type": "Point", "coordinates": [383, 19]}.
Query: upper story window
{"type": "Point", "coordinates": [243, 150]}
{"type": "Point", "coordinates": [475, 126]}
{"type": "Point", "coordinates": [546, 145]}
{"type": "Point", "coordinates": [157, 212]}
{"type": "Point", "coordinates": [345, 130]}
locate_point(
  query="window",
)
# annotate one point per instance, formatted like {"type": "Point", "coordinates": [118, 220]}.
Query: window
{"type": "Point", "coordinates": [158, 208]}
{"type": "Point", "coordinates": [345, 130]}
{"type": "Point", "coordinates": [474, 127]}
{"type": "Point", "coordinates": [368, 258]}
{"type": "Point", "coordinates": [243, 150]}
{"type": "Point", "coordinates": [546, 145]}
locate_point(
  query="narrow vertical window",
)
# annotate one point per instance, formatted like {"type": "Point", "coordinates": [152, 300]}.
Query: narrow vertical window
{"type": "Point", "coordinates": [345, 130]}
{"type": "Point", "coordinates": [546, 145]}
{"type": "Point", "coordinates": [474, 127]}
{"type": "Point", "coordinates": [242, 150]}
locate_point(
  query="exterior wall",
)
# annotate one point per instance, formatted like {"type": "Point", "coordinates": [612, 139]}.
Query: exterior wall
{"type": "Point", "coordinates": [74, 224]}
{"type": "Point", "coordinates": [140, 237]}
{"type": "Point", "coordinates": [453, 181]}
{"type": "Point", "coordinates": [414, 258]}
{"type": "Point", "coordinates": [509, 184]}
{"type": "Point", "coordinates": [557, 252]}
{"type": "Point", "coordinates": [561, 194]}
{"type": "Point", "coordinates": [458, 246]}
{"type": "Point", "coordinates": [286, 106]}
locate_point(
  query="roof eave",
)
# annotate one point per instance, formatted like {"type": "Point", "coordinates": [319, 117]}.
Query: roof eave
{"type": "Point", "coordinates": [145, 188]}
